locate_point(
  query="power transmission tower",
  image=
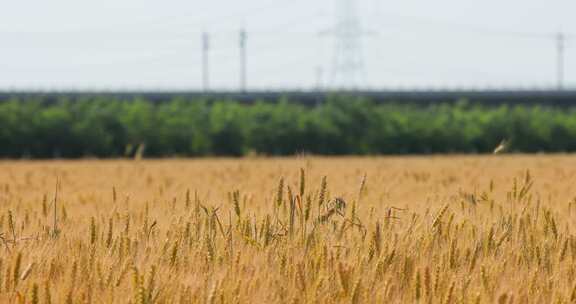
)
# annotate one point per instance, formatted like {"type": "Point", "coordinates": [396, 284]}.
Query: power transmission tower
{"type": "Point", "coordinates": [205, 62]}
{"type": "Point", "coordinates": [560, 48]}
{"type": "Point", "coordinates": [348, 62]}
{"type": "Point", "coordinates": [243, 38]}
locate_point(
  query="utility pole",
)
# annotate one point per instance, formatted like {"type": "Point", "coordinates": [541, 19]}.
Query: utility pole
{"type": "Point", "coordinates": [560, 48]}
{"type": "Point", "coordinates": [243, 38]}
{"type": "Point", "coordinates": [205, 62]}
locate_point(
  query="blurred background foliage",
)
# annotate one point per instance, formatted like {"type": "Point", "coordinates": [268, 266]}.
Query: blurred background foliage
{"type": "Point", "coordinates": [99, 127]}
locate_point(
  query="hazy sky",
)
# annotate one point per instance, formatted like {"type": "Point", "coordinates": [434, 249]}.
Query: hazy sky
{"type": "Point", "coordinates": [152, 44]}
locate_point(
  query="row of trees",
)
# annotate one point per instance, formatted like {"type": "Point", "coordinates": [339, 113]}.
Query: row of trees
{"type": "Point", "coordinates": [108, 128]}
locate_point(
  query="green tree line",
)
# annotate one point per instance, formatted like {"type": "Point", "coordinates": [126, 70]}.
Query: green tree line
{"type": "Point", "coordinates": [109, 128]}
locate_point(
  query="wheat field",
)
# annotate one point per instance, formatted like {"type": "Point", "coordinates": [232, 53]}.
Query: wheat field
{"type": "Point", "coordinates": [443, 229]}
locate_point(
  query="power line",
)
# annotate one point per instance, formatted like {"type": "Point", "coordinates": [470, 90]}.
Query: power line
{"type": "Point", "coordinates": [348, 62]}
{"type": "Point", "coordinates": [560, 39]}
{"type": "Point", "coordinates": [273, 29]}
{"type": "Point", "coordinates": [189, 20]}
{"type": "Point", "coordinates": [465, 28]}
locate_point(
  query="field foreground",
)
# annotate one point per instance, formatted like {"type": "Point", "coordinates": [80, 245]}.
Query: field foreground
{"type": "Point", "coordinates": [454, 229]}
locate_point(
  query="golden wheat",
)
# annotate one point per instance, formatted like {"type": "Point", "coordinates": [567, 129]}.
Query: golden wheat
{"type": "Point", "coordinates": [459, 229]}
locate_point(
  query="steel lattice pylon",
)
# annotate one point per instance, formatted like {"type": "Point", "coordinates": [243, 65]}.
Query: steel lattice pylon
{"type": "Point", "coordinates": [348, 64]}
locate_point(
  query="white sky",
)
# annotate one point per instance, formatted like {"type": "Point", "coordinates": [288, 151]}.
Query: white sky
{"type": "Point", "coordinates": [153, 44]}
